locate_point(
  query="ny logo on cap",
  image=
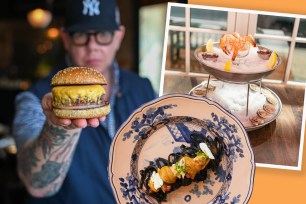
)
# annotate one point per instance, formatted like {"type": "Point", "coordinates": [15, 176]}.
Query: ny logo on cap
{"type": "Point", "coordinates": [91, 7]}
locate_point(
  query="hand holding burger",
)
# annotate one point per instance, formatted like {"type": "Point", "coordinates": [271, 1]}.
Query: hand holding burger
{"type": "Point", "coordinates": [78, 93]}
{"type": "Point", "coordinates": [67, 123]}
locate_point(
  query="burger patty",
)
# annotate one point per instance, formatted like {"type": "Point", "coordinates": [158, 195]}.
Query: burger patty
{"type": "Point", "coordinates": [83, 103]}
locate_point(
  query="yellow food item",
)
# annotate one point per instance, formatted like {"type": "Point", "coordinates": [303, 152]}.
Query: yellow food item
{"type": "Point", "coordinates": [70, 94]}
{"type": "Point", "coordinates": [201, 160]}
{"type": "Point", "coordinates": [272, 60]}
{"type": "Point", "coordinates": [151, 185]}
{"type": "Point", "coordinates": [186, 166]}
{"type": "Point", "coordinates": [167, 175]}
{"type": "Point", "coordinates": [209, 45]}
{"type": "Point", "coordinates": [228, 66]}
{"type": "Point", "coordinates": [192, 166]}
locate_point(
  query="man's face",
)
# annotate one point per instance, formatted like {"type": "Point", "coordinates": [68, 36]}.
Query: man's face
{"type": "Point", "coordinates": [92, 49]}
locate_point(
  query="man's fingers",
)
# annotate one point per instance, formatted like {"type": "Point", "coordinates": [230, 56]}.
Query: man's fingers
{"type": "Point", "coordinates": [80, 123]}
{"type": "Point", "coordinates": [102, 119]}
{"type": "Point", "coordinates": [46, 102]}
{"type": "Point", "coordinates": [64, 122]}
{"type": "Point", "coordinates": [93, 122]}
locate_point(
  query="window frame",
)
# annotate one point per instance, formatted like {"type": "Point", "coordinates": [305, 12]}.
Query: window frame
{"type": "Point", "coordinates": [236, 19]}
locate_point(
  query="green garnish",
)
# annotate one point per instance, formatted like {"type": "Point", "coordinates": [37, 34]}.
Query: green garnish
{"type": "Point", "coordinates": [180, 169]}
{"type": "Point", "coordinates": [202, 155]}
{"type": "Point", "coordinates": [198, 153]}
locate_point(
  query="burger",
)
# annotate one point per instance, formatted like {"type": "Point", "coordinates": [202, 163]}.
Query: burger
{"type": "Point", "coordinates": [78, 92]}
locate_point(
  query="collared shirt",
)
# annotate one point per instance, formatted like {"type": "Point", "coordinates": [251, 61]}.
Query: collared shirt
{"type": "Point", "coordinates": [110, 122]}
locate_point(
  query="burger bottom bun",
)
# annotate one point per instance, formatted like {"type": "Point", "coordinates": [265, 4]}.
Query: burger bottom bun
{"type": "Point", "coordinates": [82, 113]}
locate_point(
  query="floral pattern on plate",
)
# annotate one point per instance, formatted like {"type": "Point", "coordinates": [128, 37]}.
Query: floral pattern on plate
{"type": "Point", "coordinates": [159, 128]}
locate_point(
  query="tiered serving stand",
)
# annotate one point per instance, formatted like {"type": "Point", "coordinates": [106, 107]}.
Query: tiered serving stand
{"type": "Point", "coordinates": [240, 78]}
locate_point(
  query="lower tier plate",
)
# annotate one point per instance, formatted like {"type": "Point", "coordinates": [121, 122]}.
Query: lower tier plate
{"type": "Point", "coordinates": [263, 108]}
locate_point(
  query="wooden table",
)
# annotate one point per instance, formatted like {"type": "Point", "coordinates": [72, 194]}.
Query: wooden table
{"type": "Point", "coordinates": [277, 143]}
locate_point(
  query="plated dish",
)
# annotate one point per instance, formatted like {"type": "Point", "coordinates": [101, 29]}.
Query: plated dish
{"type": "Point", "coordinates": [159, 128]}
{"type": "Point", "coordinates": [264, 105]}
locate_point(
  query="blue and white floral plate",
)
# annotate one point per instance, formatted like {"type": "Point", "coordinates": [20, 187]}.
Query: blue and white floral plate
{"type": "Point", "coordinates": [159, 128]}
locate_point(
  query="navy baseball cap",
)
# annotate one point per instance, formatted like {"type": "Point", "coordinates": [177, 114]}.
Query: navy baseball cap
{"type": "Point", "coordinates": [84, 15]}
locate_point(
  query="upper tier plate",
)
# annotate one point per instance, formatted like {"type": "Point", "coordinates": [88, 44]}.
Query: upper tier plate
{"type": "Point", "coordinates": [236, 76]}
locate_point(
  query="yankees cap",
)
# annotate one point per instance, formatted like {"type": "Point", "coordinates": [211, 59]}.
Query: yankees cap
{"type": "Point", "coordinates": [84, 15]}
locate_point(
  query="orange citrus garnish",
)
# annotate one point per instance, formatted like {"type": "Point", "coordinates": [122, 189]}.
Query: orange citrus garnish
{"type": "Point", "coordinates": [272, 60]}
{"type": "Point", "coordinates": [228, 66]}
{"type": "Point", "coordinates": [209, 45]}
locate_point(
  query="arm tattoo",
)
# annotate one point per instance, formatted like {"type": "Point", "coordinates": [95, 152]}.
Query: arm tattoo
{"type": "Point", "coordinates": [51, 137]}
{"type": "Point", "coordinates": [50, 154]}
{"type": "Point", "coordinates": [48, 173]}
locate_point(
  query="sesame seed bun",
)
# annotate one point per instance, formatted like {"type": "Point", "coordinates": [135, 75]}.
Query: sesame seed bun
{"type": "Point", "coordinates": [82, 113]}
{"type": "Point", "coordinates": [78, 75]}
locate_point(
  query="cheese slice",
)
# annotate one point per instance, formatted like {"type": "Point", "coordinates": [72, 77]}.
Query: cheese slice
{"type": "Point", "coordinates": [68, 95]}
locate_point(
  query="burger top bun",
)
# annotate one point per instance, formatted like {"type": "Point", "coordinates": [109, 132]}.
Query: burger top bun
{"type": "Point", "coordinates": [78, 75]}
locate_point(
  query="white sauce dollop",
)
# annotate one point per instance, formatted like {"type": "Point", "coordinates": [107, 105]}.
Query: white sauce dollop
{"type": "Point", "coordinates": [206, 150]}
{"type": "Point", "coordinates": [157, 181]}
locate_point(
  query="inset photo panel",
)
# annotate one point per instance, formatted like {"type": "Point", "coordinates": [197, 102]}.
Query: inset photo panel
{"type": "Point", "coordinates": [251, 63]}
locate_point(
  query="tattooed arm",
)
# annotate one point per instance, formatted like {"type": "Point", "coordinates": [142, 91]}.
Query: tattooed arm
{"type": "Point", "coordinates": [44, 162]}
{"type": "Point", "coordinates": [45, 153]}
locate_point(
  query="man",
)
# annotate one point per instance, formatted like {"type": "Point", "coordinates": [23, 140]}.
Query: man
{"type": "Point", "coordinates": [63, 160]}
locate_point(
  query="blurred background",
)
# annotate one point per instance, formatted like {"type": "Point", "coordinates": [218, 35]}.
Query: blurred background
{"type": "Point", "coordinates": [30, 46]}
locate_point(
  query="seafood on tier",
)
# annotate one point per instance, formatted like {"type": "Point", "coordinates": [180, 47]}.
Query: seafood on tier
{"type": "Point", "coordinates": [233, 44]}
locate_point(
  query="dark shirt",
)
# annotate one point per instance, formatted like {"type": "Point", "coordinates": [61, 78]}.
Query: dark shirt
{"type": "Point", "coordinates": [87, 179]}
